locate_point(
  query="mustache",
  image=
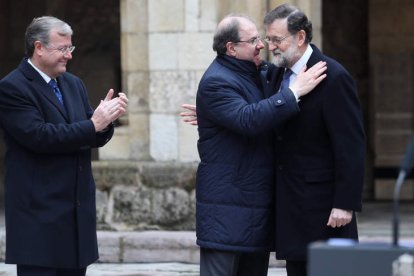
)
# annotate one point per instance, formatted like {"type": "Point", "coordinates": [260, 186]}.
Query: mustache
{"type": "Point", "coordinates": [276, 52]}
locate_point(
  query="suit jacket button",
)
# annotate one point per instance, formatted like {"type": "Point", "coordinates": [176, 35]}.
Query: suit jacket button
{"type": "Point", "coordinates": [280, 167]}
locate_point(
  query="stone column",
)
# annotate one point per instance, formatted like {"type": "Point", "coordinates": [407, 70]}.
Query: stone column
{"type": "Point", "coordinates": [180, 38]}
{"type": "Point", "coordinates": [131, 139]}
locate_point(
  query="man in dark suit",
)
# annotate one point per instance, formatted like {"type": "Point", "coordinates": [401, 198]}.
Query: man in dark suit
{"type": "Point", "coordinates": [49, 132]}
{"type": "Point", "coordinates": [320, 152]}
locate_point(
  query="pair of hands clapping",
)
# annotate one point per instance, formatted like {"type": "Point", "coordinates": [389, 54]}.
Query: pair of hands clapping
{"type": "Point", "coordinates": [109, 110]}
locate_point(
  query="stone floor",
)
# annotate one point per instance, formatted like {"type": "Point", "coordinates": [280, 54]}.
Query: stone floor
{"type": "Point", "coordinates": [156, 269]}
{"type": "Point", "coordinates": [375, 224]}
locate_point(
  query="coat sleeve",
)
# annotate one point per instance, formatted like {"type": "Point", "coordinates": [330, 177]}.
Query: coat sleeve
{"type": "Point", "coordinates": [22, 119]}
{"type": "Point", "coordinates": [342, 114]}
{"type": "Point", "coordinates": [101, 137]}
{"type": "Point", "coordinates": [222, 102]}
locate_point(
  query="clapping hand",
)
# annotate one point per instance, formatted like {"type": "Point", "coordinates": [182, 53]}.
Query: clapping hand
{"type": "Point", "coordinates": [109, 109]}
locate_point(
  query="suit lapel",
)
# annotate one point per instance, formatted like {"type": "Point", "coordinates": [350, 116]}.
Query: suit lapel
{"type": "Point", "coordinates": [41, 86]}
{"type": "Point", "coordinates": [272, 79]}
{"type": "Point", "coordinates": [315, 57]}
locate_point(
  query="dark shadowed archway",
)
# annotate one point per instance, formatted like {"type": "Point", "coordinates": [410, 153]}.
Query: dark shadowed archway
{"type": "Point", "coordinates": [96, 26]}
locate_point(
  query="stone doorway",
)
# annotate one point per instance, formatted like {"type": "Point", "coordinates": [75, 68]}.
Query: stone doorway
{"type": "Point", "coordinates": [345, 38]}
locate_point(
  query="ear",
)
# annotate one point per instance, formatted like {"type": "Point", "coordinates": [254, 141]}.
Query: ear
{"type": "Point", "coordinates": [301, 37]}
{"type": "Point", "coordinates": [231, 51]}
{"type": "Point", "coordinates": [38, 48]}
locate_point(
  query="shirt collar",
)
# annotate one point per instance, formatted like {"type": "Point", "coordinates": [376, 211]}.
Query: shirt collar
{"type": "Point", "coordinates": [44, 76]}
{"type": "Point", "coordinates": [302, 61]}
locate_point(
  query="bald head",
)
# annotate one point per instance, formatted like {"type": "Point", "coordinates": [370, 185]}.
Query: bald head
{"type": "Point", "coordinates": [229, 30]}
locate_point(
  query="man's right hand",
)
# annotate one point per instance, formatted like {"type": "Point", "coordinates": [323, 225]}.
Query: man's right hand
{"type": "Point", "coordinates": [189, 116]}
{"type": "Point", "coordinates": [307, 80]}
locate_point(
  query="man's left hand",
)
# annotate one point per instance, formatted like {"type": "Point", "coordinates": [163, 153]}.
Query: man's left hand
{"type": "Point", "coordinates": [339, 217]}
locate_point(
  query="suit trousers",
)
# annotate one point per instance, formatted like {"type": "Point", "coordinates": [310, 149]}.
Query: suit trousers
{"type": "Point", "coordinates": [227, 263]}
{"type": "Point", "coordinates": [296, 268]}
{"type": "Point", "coordinates": [28, 270]}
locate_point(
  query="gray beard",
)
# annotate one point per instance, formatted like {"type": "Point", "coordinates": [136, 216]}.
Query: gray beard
{"type": "Point", "coordinates": [280, 61]}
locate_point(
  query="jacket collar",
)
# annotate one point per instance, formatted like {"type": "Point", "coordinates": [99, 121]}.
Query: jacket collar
{"type": "Point", "coordinates": [238, 65]}
{"type": "Point", "coordinates": [40, 84]}
{"type": "Point", "coordinates": [315, 56]}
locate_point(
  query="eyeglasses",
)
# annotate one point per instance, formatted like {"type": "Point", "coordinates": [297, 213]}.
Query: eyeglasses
{"type": "Point", "coordinates": [64, 49]}
{"type": "Point", "coordinates": [253, 41]}
{"type": "Point", "coordinates": [274, 40]}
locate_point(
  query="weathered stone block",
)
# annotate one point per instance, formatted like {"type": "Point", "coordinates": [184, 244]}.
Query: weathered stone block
{"type": "Point", "coordinates": [101, 206]}
{"type": "Point", "coordinates": [384, 189]}
{"type": "Point", "coordinates": [134, 52]}
{"type": "Point", "coordinates": [209, 15]}
{"type": "Point", "coordinates": [118, 148]}
{"type": "Point", "coordinates": [166, 15]}
{"type": "Point", "coordinates": [393, 121]}
{"type": "Point", "coordinates": [145, 195]}
{"type": "Point", "coordinates": [164, 49]}
{"type": "Point", "coordinates": [392, 85]}
{"type": "Point", "coordinates": [170, 206]}
{"type": "Point", "coordinates": [137, 91]}
{"type": "Point", "coordinates": [174, 247]}
{"type": "Point", "coordinates": [139, 139]}
{"type": "Point", "coordinates": [168, 174]}
{"type": "Point", "coordinates": [195, 51]}
{"type": "Point", "coordinates": [2, 245]}
{"type": "Point", "coordinates": [191, 15]}
{"type": "Point", "coordinates": [163, 137]}
{"type": "Point", "coordinates": [134, 16]}
{"type": "Point", "coordinates": [187, 144]}
{"type": "Point", "coordinates": [110, 247]}
{"type": "Point", "coordinates": [169, 89]}
{"type": "Point", "coordinates": [108, 174]}
{"type": "Point", "coordinates": [132, 207]}
{"type": "Point", "coordinates": [390, 146]}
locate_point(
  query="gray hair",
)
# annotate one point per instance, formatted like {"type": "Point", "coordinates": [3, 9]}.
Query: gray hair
{"type": "Point", "coordinates": [296, 19]}
{"type": "Point", "coordinates": [39, 30]}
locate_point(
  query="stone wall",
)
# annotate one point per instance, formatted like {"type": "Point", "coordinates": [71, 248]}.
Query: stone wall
{"type": "Point", "coordinates": [145, 195]}
{"type": "Point", "coordinates": [391, 51]}
{"type": "Point", "coordinates": [338, 32]}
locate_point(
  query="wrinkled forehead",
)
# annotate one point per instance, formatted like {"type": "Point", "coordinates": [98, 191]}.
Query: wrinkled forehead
{"type": "Point", "coordinates": [277, 28]}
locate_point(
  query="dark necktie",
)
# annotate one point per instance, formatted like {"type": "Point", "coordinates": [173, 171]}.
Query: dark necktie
{"type": "Point", "coordinates": [285, 80]}
{"type": "Point", "coordinates": [55, 88]}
